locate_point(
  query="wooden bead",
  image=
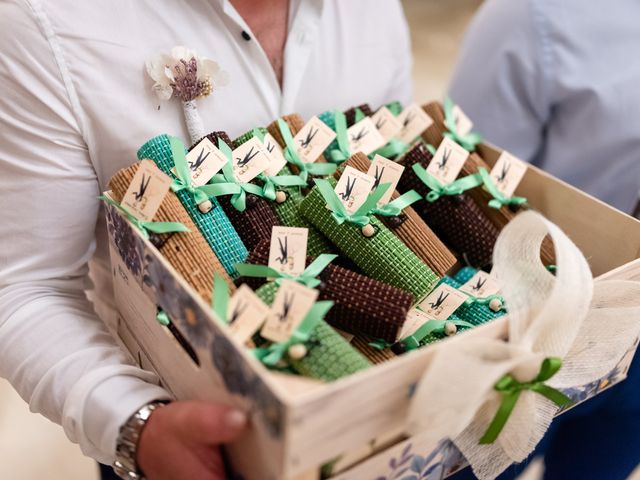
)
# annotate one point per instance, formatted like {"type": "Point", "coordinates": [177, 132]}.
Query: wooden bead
{"type": "Point", "coordinates": [297, 351]}
{"type": "Point", "coordinates": [368, 230]}
{"type": "Point", "coordinates": [450, 329]}
{"type": "Point", "coordinates": [495, 305]}
{"type": "Point", "coordinates": [281, 197]}
{"type": "Point", "coordinates": [206, 206]}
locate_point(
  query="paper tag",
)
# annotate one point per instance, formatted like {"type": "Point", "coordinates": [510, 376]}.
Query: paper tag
{"type": "Point", "coordinates": [507, 173]}
{"type": "Point", "coordinates": [387, 123]}
{"type": "Point", "coordinates": [364, 137]}
{"type": "Point", "coordinates": [448, 161]}
{"type": "Point", "coordinates": [384, 171]}
{"type": "Point", "coordinates": [275, 154]}
{"type": "Point", "coordinates": [146, 191]}
{"type": "Point", "coordinates": [415, 319]}
{"type": "Point", "coordinates": [481, 285]}
{"type": "Point", "coordinates": [245, 313]}
{"type": "Point", "coordinates": [288, 252]}
{"type": "Point", "coordinates": [442, 302]}
{"type": "Point", "coordinates": [249, 160]}
{"type": "Point", "coordinates": [292, 303]}
{"type": "Point", "coordinates": [413, 120]}
{"type": "Point", "coordinates": [313, 139]}
{"type": "Point", "coordinates": [353, 188]}
{"type": "Point", "coordinates": [204, 160]}
{"type": "Point", "coordinates": [463, 123]}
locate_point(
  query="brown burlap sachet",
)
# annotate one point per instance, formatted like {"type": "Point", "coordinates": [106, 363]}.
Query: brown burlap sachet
{"type": "Point", "coordinates": [256, 222]}
{"type": "Point", "coordinates": [498, 216]}
{"type": "Point", "coordinates": [362, 305]}
{"type": "Point", "coordinates": [411, 229]}
{"type": "Point", "coordinates": [187, 252]}
{"type": "Point", "coordinates": [351, 114]}
{"type": "Point", "coordinates": [457, 220]}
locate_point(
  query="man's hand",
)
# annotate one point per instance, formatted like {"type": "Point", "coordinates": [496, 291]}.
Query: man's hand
{"type": "Point", "coordinates": [180, 441]}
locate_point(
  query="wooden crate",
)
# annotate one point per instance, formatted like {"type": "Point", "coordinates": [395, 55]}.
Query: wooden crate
{"type": "Point", "coordinates": [298, 424]}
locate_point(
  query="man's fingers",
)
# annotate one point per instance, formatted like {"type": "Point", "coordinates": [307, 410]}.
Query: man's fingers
{"type": "Point", "coordinates": [211, 424]}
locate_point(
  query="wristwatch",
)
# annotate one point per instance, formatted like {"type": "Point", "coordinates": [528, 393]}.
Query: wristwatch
{"type": "Point", "coordinates": [126, 466]}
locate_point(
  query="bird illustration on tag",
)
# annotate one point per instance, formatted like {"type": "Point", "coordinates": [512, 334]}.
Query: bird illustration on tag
{"type": "Point", "coordinates": [284, 251]}
{"type": "Point", "coordinates": [378, 176]}
{"type": "Point", "coordinates": [360, 135]}
{"type": "Point", "coordinates": [408, 119]}
{"type": "Point", "coordinates": [250, 155]}
{"type": "Point", "coordinates": [348, 189]}
{"type": "Point", "coordinates": [142, 189]}
{"type": "Point", "coordinates": [380, 123]}
{"type": "Point", "coordinates": [446, 154]}
{"type": "Point", "coordinates": [194, 166]}
{"type": "Point", "coordinates": [237, 311]}
{"type": "Point", "coordinates": [286, 307]}
{"type": "Point", "coordinates": [438, 303]}
{"type": "Point", "coordinates": [502, 177]}
{"type": "Point", "coordinates": [304, 143]}
{"type": "Point", "coordinates": [479, 284]}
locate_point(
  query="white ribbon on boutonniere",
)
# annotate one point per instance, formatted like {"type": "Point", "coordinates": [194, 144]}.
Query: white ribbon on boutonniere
{"type": "Point", "coordinates": [496, 399]}
{"type": "Point", "coordinates": [184, 75]}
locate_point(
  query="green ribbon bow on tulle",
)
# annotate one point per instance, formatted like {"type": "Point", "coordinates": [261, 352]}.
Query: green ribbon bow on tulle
{"type": "Point", "coordinates": [439, 190]}
{"type": "Point", "coordinates": [395, 207]}
{"type": "Point", "coordinates": [146, 227]}
{"type": "Point", "coordinates": [414, 340]}
{"type": "Point", "coordinates": [361, 216]}
{"type": "Point", "coordinates": [271, 182]}
{"type": "Point", "coordinates": [343, 152]}
{"type": "Point", "coordinates": [290, 153]}
{"type": "Point", "coordinates": [484, 300]}
{"type": "Point", "coordinates": [227, 184]}
{"type": "Point", "coordinates": [510, 389]}
{"type": "Point", "coordinates": [272, 354]}
{"type": "Point", "coordinates": [308, 277]}
{"type": "Point", "coordinates": [499, 199]}
{"type": "Point", "coordinates": [183, 172]}
{"type": "Point", "coordinates": [467, 141]}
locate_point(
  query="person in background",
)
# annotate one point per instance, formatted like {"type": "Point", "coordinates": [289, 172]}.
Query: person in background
{"type": "Point", "coordinates": [76, 105]}
{"type": "Point", "coordinates": [556, 83]}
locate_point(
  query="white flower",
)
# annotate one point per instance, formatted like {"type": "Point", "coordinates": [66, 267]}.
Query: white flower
{"type": "Point", "coordinates": [185, 75]}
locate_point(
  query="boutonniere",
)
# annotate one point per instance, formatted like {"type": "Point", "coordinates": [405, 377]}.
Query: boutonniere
{"type": "Point", "coordinates": [184, 75]}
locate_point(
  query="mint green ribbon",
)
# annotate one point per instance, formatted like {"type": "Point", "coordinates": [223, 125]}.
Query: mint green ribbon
{"type": "Point", "coordinates": [308, 277]}
{"type": "Point", "coordinates": [146, 227]}
{"type": "Point", "coordinates": [510, 389]}
{"type": "Point", "coordinates": [290, 153]}
{"type": "Point", "coordinates": [499, 199]}
{"type": "Point", "coordinates": [163, 319]}
{"type": "Point", "coordinates": [361, 216]}
{"type": "Point", "coordinates": [395, 108]}
{"type": "Point", "coordinates": [413, 341]}
{"type": "Point", "coordinates": [343, 152]}
{"type": "Point", "coordinates": [227, 184]}
{"type": "Point", "coordinates": [483, 300]}
{"type": "Point", "coordinates": [271, 355]}
{"type": "Point", "coordinates": [439, 190]}
{"type": "Point", "coordinates": [468, 141]}
{"type": "Point", "coordinates": [183, 172]}
{"type": "Point", "coordinates": [220, 297]}
{"type": "Point", "coordinates": [395, 207]}
{"type": "Point", "coordinates": [394, 148]}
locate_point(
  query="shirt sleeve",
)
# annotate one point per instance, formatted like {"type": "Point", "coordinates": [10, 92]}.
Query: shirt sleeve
{"type": "Point", "coordinates": [54, 350]}
{"type": "Point", "coordinates": [499, 80]}
{"type": "Point", "coordinates": [402, 87]}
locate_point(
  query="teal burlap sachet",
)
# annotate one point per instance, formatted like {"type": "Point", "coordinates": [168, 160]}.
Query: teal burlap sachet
{"type": "Point", "coordinates": [214, 225]}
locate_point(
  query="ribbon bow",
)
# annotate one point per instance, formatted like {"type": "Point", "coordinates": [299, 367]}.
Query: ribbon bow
{"type": "Point", "coordinates": [499, 199]}
{"type": "Point", "coordinates": [414, 340]}
{"type": "Point", "coordinates": [395, 207]}
{"type": "Point", "coordinates": [361, 216]}
{"type": "Point", "coordinates": [290, 153]}
{"type": "Point", "coordinates": [183, 172]}
{"type": "Point", "coordinates": [271, 355]}
{"type": "Point", "coordinates": [467, 141]}
{"type": "Point", "coordinates": [438, 190]}
{"type": "Point", "coordinates": [344, 151]}
{"type": "Point", "coordinates": [227, 184]}
{"type": "Point", "coordinates": [146, 227]}
{"type": "Point", "coordinates": [393, 149]}
{"type": "Point", "coordinates": [308, 277]}
{"type": "Point", "coordinates": [484, 300]}
{"type": "Point", "coordinates": [510, 389]}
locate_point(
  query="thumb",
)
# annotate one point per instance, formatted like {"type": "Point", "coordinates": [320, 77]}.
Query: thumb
{"type": "Point", "coordinates": [211, 423]}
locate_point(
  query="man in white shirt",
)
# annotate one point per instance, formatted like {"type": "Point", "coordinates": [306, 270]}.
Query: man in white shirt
{"type": "Point", "coordinates": [75, 106]}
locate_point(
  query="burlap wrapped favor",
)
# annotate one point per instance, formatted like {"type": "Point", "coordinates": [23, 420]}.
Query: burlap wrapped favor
{"type": "Point", "coordinates": [187, 252]}
{"type": "Point", "coordinates": [329, 356]}
{"type": "Point", "coordinates": [498, 216]}
{"type": "Point", "coordinates": [458, 221]}
{"type": "Point", "coordinates": [287, 211]}
{"type": "Point", "coordinates": [214, 225]}
{"type": "Point", "coordinates": [362, 305]}
{"type": "Point", "coordinates": [411, 229]}
{"type": "Point", "coordinates": [256, 222]}
{"type": "Point", "coordinates": [382, 256]}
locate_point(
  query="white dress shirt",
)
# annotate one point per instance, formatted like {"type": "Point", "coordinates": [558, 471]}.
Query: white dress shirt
{"type": "Point", "coordinates": [556, 82]}
{"type": "Point", "coordinates": [76, 104]}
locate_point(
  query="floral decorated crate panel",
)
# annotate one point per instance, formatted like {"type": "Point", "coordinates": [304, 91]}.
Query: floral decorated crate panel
{"type": "Point", "coordinates": [417, 459]}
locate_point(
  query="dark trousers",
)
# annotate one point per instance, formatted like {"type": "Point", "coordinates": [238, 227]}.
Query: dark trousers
{"type": "Point", "coordinates": [106, 473]}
